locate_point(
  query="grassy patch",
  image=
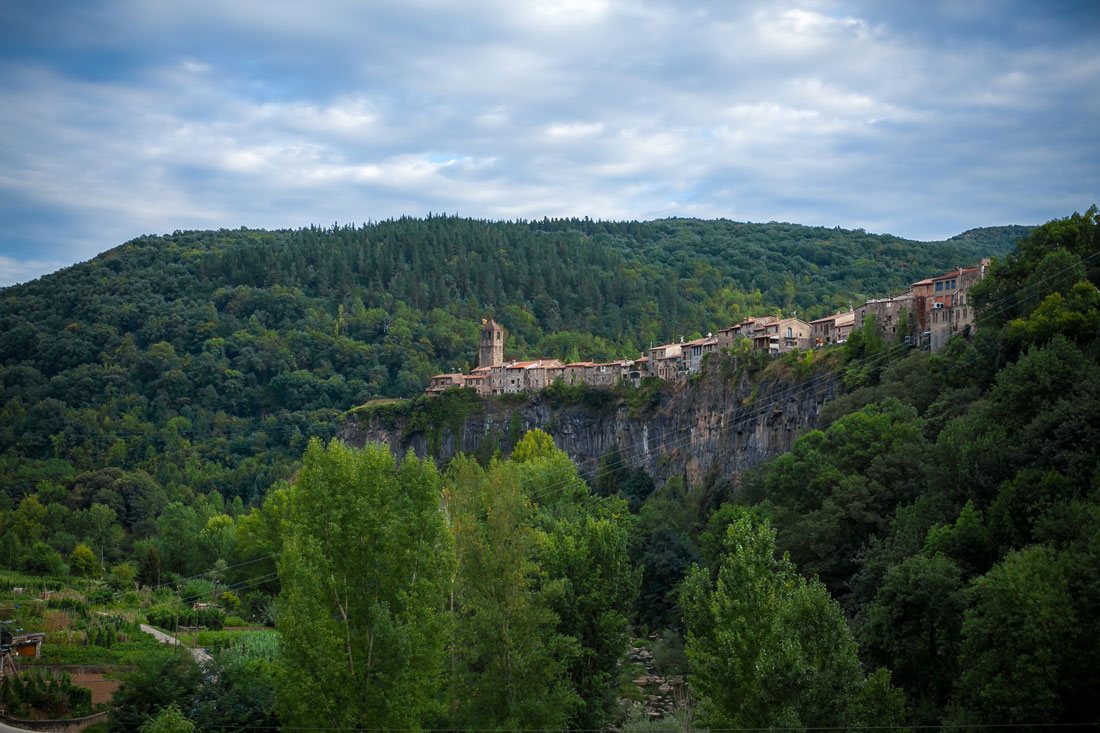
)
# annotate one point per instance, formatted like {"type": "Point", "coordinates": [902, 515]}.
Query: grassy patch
{"type": "Point", "coordinates": [125, 653]}
{"type": "Point", "coordinates": [423, 414]}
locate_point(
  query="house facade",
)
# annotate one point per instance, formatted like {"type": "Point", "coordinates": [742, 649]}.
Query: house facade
{"type": "Point", "coordinates": [887, 314]}
{"type": "Point", "coordinates": [833, 329]}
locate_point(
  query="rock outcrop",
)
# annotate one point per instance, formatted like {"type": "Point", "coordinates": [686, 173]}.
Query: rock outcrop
{"type": "Point", "coordinates": [723, 421]}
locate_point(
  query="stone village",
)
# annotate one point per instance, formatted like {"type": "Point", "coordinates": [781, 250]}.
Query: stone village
{"type": "Point", "coordinates": [929, 314]}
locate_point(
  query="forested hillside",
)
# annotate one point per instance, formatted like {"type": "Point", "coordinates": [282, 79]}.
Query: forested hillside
{"type": "Point", "coordinates": [928, 557]}
{"type": "Point", "coordinates": [203, 360]}
{"type": "Point", "coordinates": [950, 504]}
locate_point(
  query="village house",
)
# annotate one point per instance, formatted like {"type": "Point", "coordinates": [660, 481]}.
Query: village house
{"type": "Point", "coordinates": [692, 352]}
{"type": "Point", "coordinates": [728, 335]}
{"type": "Point", "coordinates": [938, 308]}
{"type": "Point", "coordinates": [780, 335]}
{"type": "Point", "coordinates": [922, 304]}
{"type": "Point", "coordinates": [443, 382]}
{"type": "Point", "coordinates": [573, 372]}
{"type": "Point", "coordinates": [887, 314]}
{"type": "Point", "coordinates": [948, 309]}
{"type": "Point", "coordinates": [832, 329]}
{"type": "Point", "coordinates": [540, 373]}
{"type": "Point", "coordinates": [844, 326]}
{"type": "Point", "coordinates": [664, 361]}
{"type": "Point", "coordinates": [478, 379]}
{"type": "Point", "coordinates": [522, 376]}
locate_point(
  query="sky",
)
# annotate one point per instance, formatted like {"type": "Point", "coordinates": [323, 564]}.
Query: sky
{"type": "Point", "coordinates": [129, 117]}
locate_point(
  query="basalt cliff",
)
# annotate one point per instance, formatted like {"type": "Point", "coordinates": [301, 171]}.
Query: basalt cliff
{"type": "Point", "coordinates": [720, 423]}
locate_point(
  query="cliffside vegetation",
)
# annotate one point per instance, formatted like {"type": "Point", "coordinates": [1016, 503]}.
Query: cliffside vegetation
{"type": "Point", "coordinates": [951, 506]}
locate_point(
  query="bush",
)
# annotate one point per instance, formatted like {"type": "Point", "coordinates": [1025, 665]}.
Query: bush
{"type": "Point", "coordinates": [197, 590]}
{"type": "Point", "coordinates": [122, 576]}
{"type": "Point", "coordinates": [229, 601]}
{"type": "Point", "coordinates": [211, 617]}
{"type": "Point", "coordinates": [100, 596]}
{"type": "Point", "coordinates": [172, 616]}
{"type": "Point", "coordinates": [68, 603]}
{"type": "Point", "coordinates": [157, 682]}
{"type": "Point", "coordinates": [166, 616]}
{"type": "Point", "coordinates": [41, 559]}
{"type": "Point", "coordinates": [40, 694]}
{"type": "Point", "coordinates": [83, 562]}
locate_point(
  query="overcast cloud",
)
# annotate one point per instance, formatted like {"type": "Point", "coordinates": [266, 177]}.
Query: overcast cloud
{"type": "Point", "coordinates": [123, 118]}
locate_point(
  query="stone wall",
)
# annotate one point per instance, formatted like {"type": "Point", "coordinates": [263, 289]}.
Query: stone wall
{"type": "Point", "coordinates": [68, 725]}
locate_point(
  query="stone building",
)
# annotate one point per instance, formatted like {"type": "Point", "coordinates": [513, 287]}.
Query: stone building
{"type": "Point", "coordinates": [490, 351]}
{"type": "Point", "coordinates": [887, 314]}
{"type": "Point", "coordinates": [780, 335]}
{"type": "Point", "coordinates": [947, 306]}
{"type": "Point", "coordinates": [833, 329]}
{"type": "Point", "coordinates": [692, 352]}
{"type": "Point", "coordinates": [664, 361]}
{"type": "Point", "coordinates": [443, 382]}
{"type": "Point", "coordinates": [523, 376]}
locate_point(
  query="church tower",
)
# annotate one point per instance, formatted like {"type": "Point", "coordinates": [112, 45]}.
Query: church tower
{"type": "Point", "coordinates": [490, 350]}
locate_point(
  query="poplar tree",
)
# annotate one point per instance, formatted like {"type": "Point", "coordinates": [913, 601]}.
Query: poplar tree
{"type": "Point", "coordinates": [509, 662]}
{"type": "Point", "coordinates": [364, 569]}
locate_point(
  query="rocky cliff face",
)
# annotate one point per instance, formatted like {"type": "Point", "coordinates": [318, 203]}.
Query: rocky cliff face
{"type": "Point", "coordinates": [725, 421]}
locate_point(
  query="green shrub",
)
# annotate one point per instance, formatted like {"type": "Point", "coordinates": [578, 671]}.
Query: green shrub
{"type": "Point", "coordinates": [43, 694]}
{"type": "Point", "coordinates": [68, 603]}
{"type": "Point", "coordinates": [197, 590]}
{"type": "Point", "coordinates": [211, 617]}
{"type": "Point", "coordinates": [41, 559]}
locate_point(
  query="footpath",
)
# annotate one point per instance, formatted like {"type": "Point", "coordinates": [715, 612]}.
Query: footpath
{"type": "Point", "coordinates": [201, 655]}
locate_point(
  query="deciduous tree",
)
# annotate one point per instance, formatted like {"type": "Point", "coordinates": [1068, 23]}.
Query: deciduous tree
{"type": "Point", "coordinates": [365, 567]}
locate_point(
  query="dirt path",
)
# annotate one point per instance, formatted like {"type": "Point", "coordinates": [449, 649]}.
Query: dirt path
{"type": "Point", "coordinates": [201, 655]}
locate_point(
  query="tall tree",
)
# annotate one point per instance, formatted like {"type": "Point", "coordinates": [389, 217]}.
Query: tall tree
{"type": "Point", "coordinates": [509, 662]}
{"type": "Point", "coordinates": [584, 555]}
{"type": "Point", "coordinates": [768, 648]}
{"type": "Point", "coordinates": [365, 566]}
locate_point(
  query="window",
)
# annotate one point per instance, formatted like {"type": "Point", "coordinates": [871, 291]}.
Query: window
{"type": "Point", "coordinates": [939, 287]}
{"type": "Point", "coordinates": [790, 332]}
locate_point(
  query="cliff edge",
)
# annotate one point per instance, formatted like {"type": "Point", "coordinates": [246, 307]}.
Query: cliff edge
{"type": "Point", "coordinates": [730, 417]}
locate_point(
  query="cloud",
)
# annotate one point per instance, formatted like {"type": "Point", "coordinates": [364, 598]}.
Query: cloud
{"type": "Point", "coordinates": [120, 119]}
{"type": "Point", "coordinates": [14, 271]}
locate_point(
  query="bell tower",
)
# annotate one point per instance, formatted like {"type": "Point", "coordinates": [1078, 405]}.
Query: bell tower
{"type": "Point", "coordinates": [490, 350]}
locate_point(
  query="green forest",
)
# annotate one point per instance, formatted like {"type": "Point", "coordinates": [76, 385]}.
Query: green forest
{"type": "Point", "coordinates": [203, 361]}
{"type": "Point", "coordinates": [927, 557]}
